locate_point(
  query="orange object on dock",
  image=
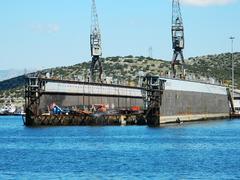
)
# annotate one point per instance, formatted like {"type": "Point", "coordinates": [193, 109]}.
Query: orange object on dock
{"type": "Point", "coordinates": [135, 108]}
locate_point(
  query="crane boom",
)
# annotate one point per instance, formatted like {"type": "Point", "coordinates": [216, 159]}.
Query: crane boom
{"type": "Point", "coordinates": [95, 44]}
{"type": "Point", "coordinates": [177, 36]}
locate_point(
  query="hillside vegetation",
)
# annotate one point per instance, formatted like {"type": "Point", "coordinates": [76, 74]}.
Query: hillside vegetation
{"type": "Point", "coordinates": [126, 69]}
{"type": "Point", "coordinates": [217, 66]}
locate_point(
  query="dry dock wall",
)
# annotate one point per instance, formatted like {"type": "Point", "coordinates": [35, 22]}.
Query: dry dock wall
{"type": "Point", "coordinates": [77, 100]}
{"type": "Point", "coordinates": [188, 101]}
{"type": "Point", "coordinates": [69, 94]}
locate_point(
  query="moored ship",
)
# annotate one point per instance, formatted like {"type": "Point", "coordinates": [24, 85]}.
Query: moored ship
{"type": "Point", "coordinates": [8, 108]}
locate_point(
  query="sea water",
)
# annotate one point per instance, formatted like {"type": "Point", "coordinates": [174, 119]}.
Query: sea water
{"type": "Point", "coordinates": [209, 150]}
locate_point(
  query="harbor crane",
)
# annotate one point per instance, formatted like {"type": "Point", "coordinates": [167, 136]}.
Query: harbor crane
{"type": "Point", "coordinates": [95, 45]}
{"type": "Point", "coordinates": [177, 37]}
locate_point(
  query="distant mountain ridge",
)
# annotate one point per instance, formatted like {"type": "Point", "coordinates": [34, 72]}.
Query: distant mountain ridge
{"type": "Point", "coordinates": [12, 83]}
{"type": "Point", "coordinates": [11, 73]}
{"type": "Point", "coordinates": [7, 74]}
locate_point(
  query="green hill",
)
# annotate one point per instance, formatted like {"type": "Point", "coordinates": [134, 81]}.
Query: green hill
{"type": "Point", "coordinates": [217, 66]}
{"type": "Point", "coordinates": [126, 69]}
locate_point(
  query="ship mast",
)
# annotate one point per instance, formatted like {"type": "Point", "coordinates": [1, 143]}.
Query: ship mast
{"type": "Point", "coordinates": [95, 45]}
{"type": "Point", "coordinates": [177, 37]}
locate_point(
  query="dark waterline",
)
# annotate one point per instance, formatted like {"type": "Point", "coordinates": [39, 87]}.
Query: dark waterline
{"type": "Point", "coordinates": [190, 151]}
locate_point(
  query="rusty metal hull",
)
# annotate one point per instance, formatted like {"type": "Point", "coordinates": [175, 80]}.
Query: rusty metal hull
{"type": "Point", "coordinates": [87, 120]}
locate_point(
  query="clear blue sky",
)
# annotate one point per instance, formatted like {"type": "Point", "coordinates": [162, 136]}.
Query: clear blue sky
{"type": "Point", "coordinates": [48, 33]}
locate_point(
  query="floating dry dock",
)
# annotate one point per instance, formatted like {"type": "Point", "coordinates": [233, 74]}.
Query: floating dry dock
{"type": "Point", "coordinates": [81, 103]}
{"type": "Point", "coordinates": [161, 100]}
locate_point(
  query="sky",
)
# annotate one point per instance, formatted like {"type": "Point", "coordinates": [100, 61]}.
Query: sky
{"type": "Point", "coordinates": [38, 34]}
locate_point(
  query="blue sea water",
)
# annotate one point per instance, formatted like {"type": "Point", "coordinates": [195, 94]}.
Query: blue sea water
{"type": "Point", "coordinates": [208, 150]}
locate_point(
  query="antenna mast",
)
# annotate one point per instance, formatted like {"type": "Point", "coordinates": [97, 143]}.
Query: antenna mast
{"type": "Point", "coordinates": [95, 45]}
{"type": "Point", "coordinates": [177, 37]}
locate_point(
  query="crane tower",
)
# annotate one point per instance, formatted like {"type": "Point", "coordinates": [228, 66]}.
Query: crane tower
{"type": "Point", "coordinates": [177, 37]}
{"type": "Point", "coordinates": [95, 45]}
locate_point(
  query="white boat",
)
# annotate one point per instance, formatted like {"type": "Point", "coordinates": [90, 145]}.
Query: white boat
{"type": "Point", "coordinates": [236, 102]}
{"type": "Point", "coordinates": [8, 108]}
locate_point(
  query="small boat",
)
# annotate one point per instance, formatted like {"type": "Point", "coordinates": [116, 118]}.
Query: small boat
{"type": "Point", "coordinates": [8, 108]}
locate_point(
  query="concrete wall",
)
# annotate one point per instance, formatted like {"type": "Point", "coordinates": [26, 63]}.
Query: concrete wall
{"type": "Point", "coordinates": [189, 105]}
{"type": "Point", "coordinates": [91, 89]}
{"type": "Point", "coordinates": [73, 93]}
{"type": "Point", "coordinates": [179, 102]}
{"type": "Point", "coordinates": [191, 86]}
